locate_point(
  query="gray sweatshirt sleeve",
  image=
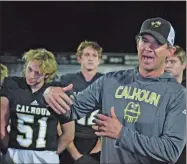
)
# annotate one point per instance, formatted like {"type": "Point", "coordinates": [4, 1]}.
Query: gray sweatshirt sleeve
{"type": "Point", "coordinates": [87, 100]}
{"type": "Point", "coordinates": [169, 145]}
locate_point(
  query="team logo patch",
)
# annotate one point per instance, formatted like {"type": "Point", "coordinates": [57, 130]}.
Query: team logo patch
{"type": "Point", "coordinates": [34, 103]}
{"type": "Point", "coordinates": [156, 24]}
{"type": "Point", "coordinates": [132, 112]}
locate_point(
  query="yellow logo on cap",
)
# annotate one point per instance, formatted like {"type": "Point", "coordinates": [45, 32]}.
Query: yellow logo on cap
{"type": "Point", "coordinates": [156, 24]}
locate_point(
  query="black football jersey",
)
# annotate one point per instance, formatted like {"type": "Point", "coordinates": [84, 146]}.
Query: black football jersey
{"type": "Point", "coordinates": [83, 126]}
{"type": "Point", "coordinates": [33, 126]}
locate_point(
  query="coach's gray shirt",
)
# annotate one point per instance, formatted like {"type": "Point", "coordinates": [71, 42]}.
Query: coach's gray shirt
{"type": "Point", "coordinates": [152, 111]}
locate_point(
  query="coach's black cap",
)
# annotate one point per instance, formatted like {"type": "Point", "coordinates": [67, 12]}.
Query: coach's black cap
{"type": "Point", "coordinates": [160, 29]}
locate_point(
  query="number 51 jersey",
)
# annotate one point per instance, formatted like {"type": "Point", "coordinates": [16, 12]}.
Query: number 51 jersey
{"type": "Point", "coordinates": [33, 126]}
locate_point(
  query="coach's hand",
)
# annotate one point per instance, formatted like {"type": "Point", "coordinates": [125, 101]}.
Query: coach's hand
{"type": "Point", "coordinates": [57, 99]}
{"type": "Point", "coordinates": [108, 126]}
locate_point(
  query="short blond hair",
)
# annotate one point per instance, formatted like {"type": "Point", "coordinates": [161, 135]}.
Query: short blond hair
{"type": "Point", "coordinates": [180, 53]}
{"type": "Point", "coordinates": [86, 44]}
{"type": "Point", "coordinates": [48, 64]}
{"type": "Point", "coordinates": [4, 72]}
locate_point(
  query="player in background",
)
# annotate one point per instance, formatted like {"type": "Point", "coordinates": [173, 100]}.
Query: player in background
{"type": "Point", "coordinates": [85, 144]}
{"type": "Point", "coordinates": [176, 64]}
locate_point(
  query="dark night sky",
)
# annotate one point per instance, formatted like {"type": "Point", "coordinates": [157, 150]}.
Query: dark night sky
{"type": "Point", "coordinates": [61, 26]}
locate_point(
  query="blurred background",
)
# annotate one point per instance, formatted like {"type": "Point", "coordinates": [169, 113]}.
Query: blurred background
{"type": "Point", "coordinates": [60, 26]}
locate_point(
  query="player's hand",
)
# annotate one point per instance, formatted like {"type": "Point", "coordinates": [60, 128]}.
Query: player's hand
{"type": "Point", "coordinates": [57, 99]}
{"type": "Point", "coordinates": [108, 126]}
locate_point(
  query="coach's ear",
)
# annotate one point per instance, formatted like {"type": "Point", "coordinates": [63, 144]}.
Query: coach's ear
{"type": "Point", "coordinates": [46, 76]}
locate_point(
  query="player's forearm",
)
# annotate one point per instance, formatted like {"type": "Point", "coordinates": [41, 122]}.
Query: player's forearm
{"type": "Point", "coordinates": [4, 120]}
{"type": "Point", "coordinates": [97, 147]}
{"type": "Point", "coordinates": [63, 142]}
{"type": "Point", "coordinates": [59, 130]}
{"type": "Point", "coordinates": [4, 139]}
{"type": "Point", "coordinates": [73, 151]}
